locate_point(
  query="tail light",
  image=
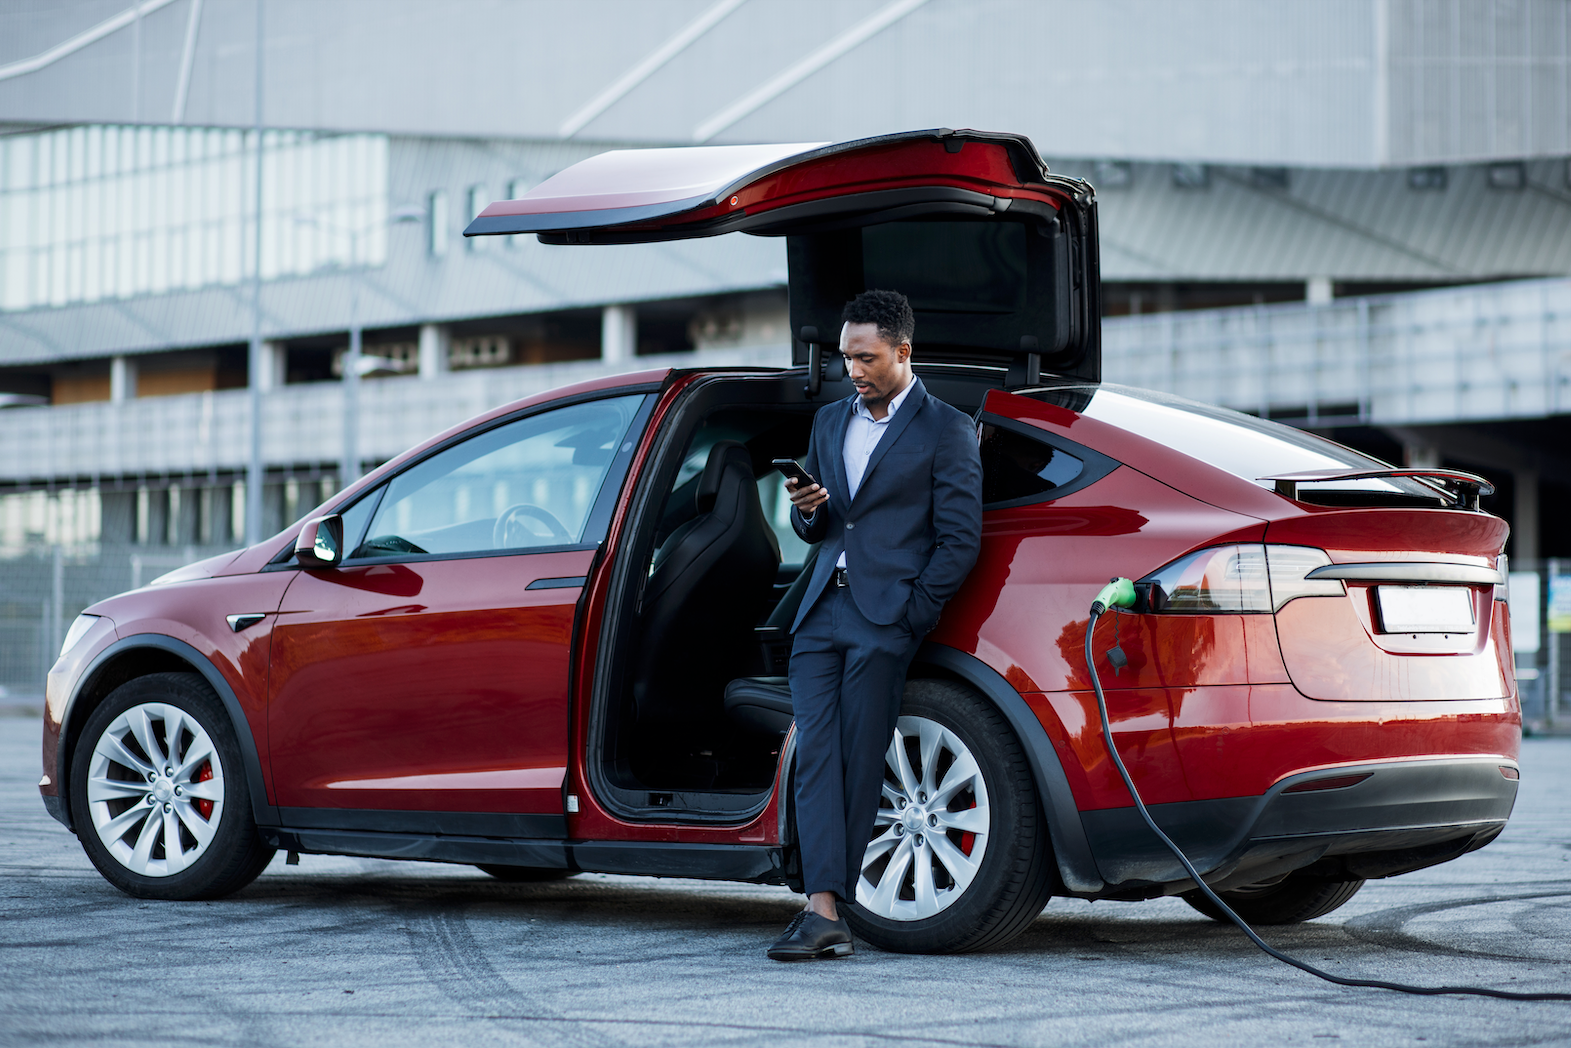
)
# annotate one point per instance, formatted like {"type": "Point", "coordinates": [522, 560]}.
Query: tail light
{"type": "Point", "coordinates": [1246, 578]}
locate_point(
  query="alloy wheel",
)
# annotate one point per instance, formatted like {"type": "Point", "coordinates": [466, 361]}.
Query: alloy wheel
{"type": "Point", "coordinates": [155, 789]}
{"type": "Point", "coordinates": [932, 825]}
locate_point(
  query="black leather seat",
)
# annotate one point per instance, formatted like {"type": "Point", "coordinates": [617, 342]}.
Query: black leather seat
{"type": "Point", "coordinates": [762, 705]}
{"type": "Point", "coordinates": [759, 705]}
{"type": "Point", "coordinates": [708, 585]}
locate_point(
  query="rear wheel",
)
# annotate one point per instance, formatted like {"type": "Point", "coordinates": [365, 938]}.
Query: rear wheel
{"type": "Point", "coordinates": [1295, 898]}
{"type": "Point", "coordinates": [523, 874]}
{"type": "Point", "coordinates": [959, 858]}
{"type": "Point", "coordinates": [159, 795]}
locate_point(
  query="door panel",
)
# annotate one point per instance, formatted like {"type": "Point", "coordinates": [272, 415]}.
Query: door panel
{"type": "Point", "coordinates": [426, 686]}
{"type": "Point", "coordinates": [429, 673]}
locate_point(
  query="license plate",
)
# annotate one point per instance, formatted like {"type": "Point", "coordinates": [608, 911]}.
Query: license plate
{"type": "Point", "coordinates": [1425, 609]}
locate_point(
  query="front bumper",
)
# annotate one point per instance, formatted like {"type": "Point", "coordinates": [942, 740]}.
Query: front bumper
{"type": "Point", "coordinates": [1403, 816]}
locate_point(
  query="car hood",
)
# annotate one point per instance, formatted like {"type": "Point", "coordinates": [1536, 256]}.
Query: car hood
{"type": "Point", "coordinates": [202, 569]}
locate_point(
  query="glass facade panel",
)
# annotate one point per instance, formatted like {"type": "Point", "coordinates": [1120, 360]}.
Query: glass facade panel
{"type": "Point", "coordinates": [91, 213]}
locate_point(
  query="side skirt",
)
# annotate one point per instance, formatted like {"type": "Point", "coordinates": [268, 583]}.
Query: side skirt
{"type": "Point", "coordinates": [711, 862]}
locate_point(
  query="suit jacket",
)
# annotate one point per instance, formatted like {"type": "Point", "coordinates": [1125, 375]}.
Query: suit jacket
{"type": "Point", "coordinates": [912, 533]}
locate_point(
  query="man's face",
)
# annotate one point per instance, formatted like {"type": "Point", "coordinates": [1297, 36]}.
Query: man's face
{"type": "Point", "coordinates": [877, 369]}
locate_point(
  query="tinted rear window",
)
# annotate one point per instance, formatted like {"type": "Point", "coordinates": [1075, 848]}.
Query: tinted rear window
{"type": "Point", "coordinates": [1017, 467]}
{"type": "Point", "coordinates": [1243, 445]}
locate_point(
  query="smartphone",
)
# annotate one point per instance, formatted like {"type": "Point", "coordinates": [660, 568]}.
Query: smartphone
{"type": "Point", "coordinates": [793, 470]}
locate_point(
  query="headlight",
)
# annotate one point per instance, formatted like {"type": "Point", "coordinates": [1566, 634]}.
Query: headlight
{"type": "Point", "coordinates": [77, 631]}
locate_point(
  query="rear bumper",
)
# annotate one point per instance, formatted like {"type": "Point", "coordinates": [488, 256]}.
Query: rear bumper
{"type": "Point", "coordinates": [1403, 816]}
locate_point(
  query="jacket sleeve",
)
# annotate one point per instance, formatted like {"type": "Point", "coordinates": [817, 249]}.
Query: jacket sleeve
{"type": "Point", "coordinates": [811, 530]}
{"type": "Point", "coordinates": [957, 524]}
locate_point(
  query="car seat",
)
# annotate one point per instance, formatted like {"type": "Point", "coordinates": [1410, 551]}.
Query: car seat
{"type": "Point", "coordinates": [761, 706]}
{"type": "Point", "coordinates": [707, 587]}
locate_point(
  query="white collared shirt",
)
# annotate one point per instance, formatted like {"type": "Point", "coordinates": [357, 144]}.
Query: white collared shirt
{"type": "Point", "coordinates": [862, 436]}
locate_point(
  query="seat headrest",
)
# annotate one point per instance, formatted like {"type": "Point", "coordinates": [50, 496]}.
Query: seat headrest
{"type": "Point", "coordinates": [723, 453]}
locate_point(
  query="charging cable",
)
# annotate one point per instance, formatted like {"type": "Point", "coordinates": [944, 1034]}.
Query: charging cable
{"type": "Point", "coordinates": [1120, 593]}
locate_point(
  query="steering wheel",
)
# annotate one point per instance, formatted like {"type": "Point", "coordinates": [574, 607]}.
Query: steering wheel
{"type": "Point", "coordinates": [511, 532]}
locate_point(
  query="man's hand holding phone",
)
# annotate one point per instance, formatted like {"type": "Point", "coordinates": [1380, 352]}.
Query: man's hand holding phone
{"type": "Point", "coordinates": [805, 492]}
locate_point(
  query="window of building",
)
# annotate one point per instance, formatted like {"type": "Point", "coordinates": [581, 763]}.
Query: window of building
{"type": "Point", "coordinates": [436, 209]}
{"type": "Point", "coordinates": [479, 197]}
{"type": "Point", "coordinates": [106, 212]}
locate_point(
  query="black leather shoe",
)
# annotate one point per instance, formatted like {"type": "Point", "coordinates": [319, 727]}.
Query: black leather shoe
{"type": "Point", "coordinates": [810, 937]}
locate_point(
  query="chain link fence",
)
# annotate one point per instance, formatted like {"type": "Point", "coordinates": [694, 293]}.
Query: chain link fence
{"type": "Point", "coordinates": [43, 589]}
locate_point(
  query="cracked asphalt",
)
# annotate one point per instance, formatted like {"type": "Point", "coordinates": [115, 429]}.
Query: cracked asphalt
{"type": "Point", "coordinates": [350, 951]}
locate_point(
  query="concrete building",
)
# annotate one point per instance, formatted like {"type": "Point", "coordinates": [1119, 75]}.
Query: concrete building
{"type": "Point", "coordinates": [1307, 211]}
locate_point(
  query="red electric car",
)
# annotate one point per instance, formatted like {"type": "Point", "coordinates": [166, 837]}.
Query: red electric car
{"type": "Point", "coordinates": [553, 639]}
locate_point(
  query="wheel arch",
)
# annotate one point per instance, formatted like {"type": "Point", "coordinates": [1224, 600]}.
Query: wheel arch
{"type": "Point", "coordinates": [136, 656]}
{"type": "Point", "coordinates": [1071, 849]}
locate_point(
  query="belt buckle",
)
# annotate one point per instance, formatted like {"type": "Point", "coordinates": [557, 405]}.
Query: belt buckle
{"type": "Point", "coordinates": [840, 577]}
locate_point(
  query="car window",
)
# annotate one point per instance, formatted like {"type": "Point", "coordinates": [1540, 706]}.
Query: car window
{"type": "Point", "coordinates": [1241, 444]}
{"type": "Point", "coordinates": [522, 485]}
{"type": "Point", "coordinates": [1017, 467]}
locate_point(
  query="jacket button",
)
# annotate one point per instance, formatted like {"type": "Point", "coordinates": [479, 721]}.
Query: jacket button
{"type": "Point", "coordinates": [849, 525]}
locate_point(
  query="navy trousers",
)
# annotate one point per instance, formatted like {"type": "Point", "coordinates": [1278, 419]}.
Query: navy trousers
{"type": "Point", "coordinates": [847, 679]}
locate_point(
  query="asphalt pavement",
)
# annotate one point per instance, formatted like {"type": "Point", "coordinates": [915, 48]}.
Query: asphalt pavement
{"type": "Point", "coordinates": [340, 951]}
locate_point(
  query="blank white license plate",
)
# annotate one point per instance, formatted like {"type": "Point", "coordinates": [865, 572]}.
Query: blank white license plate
{"type": "Point", "coordinates": [1425, 609]}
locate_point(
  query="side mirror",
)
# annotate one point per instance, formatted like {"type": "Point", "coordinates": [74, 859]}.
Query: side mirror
{"type": "Point", "coordinates": [321, 542]}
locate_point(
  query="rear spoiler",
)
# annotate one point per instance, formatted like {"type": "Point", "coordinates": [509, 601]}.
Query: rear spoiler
{"type": "Point", "coordinates": [1465, 489]}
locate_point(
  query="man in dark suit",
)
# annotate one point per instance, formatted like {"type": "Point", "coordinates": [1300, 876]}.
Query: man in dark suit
{"type": "Point", "coordinates": [898, 508]}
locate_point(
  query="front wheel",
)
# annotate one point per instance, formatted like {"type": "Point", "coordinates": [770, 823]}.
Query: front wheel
{"type": "Point", "coordinates": [1295, 898]}
{"type": "Point", "coordinates": [158, 792]}
{"type": "Point", "coordinates": [959, 858]}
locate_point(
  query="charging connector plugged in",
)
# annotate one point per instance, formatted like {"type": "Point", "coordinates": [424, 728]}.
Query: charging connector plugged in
{"type": "Point", "coordinates": [1121, 593]}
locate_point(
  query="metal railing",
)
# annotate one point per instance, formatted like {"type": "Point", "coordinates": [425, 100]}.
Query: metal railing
{"type": "Point", "coordinates": [1485, 351]}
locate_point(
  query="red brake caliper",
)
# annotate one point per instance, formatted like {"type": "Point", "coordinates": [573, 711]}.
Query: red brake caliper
{"type": "Point", "coordinates": [206, 806]}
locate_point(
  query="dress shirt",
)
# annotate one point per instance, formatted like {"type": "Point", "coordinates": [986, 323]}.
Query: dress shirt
{"type": "Point", "coordinates": [862, 436]}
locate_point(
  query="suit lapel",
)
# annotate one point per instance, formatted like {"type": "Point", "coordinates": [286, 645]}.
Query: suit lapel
{"type": "Point", "coordinates": [897, 425]}
{"type": "Point", "coordinates": [835, 453]}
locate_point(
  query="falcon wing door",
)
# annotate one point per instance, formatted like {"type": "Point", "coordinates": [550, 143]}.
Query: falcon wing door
{"type": "Point", "coordinates": [997, 255]}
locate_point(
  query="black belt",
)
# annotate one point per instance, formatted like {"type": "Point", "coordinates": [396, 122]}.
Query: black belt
{"type": "Point", "coordinates": [839, 578]}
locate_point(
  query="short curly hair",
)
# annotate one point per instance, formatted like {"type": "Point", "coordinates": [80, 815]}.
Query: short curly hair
{"type": "Point", "coordinates": [888, 309]}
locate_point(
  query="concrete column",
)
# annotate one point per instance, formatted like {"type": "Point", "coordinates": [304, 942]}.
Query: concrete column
{"type": "Point", "coordinates": [122, 379]}
{"type": "Point", "coordinates": [274, 367]}
{"type": "Point", "coordinates": [434, 341]}
{"type": "Point", "coordinates": [618, 333]}
{"type": "Point", "coordinates": [1317, 291]}
{"type": "Point", "coordinates": [1524, 516]}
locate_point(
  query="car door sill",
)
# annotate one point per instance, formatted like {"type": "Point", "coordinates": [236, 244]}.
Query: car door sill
{"type": "Point", "coordinates": [759, 864]}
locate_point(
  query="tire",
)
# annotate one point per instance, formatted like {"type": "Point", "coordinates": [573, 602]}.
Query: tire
{"type": "Point", "coordinates": [178, 826]}
{"type": "Point", "coordinates": [524, 874]}
{"type": "Point", "coordinates": [970, 868]}
{"type": "Point", "coordinates": [1295, 898]}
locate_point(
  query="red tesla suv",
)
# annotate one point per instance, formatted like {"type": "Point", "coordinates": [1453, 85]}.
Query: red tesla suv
{"type": "Point", "coordinates": [553, 639]}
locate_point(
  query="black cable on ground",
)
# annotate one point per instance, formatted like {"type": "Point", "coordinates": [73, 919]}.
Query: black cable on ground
{"type": "Point", "coordinates": [1379, 984]}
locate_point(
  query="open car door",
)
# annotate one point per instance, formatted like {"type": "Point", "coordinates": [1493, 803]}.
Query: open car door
{"type": "Point", "coordinates": [997, 255]}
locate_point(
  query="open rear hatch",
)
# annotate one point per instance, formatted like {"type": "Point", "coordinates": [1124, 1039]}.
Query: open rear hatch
{"type": "Point", "coordinates": [997, 255]}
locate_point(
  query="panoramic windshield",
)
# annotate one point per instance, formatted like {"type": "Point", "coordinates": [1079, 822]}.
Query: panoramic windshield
{"type": "Point", "coordinates": [1241, 444]}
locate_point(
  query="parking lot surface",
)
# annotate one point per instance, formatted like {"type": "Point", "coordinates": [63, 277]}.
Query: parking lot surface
{"type": "Point", "coordinates": [340, 951]}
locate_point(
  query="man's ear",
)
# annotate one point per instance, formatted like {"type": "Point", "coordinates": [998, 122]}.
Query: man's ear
{"type": "Point", "coordinates": [904, 352]}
